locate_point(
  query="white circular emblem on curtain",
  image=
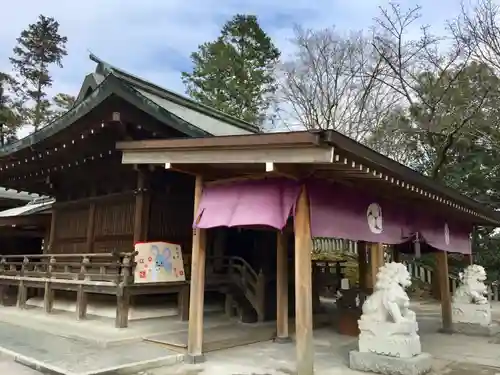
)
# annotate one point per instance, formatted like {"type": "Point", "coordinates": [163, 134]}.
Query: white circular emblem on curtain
{"type": "Point", "coordinates": [374, 218]}
{"type": "Point", "coordinates": [446, 234]}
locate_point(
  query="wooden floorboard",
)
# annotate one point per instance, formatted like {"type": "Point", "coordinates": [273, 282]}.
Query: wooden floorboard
{"type": "Point", "coordinates": [217, 338]}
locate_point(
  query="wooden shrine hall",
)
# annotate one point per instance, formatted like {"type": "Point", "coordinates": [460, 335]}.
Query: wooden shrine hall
{"type": "Point", "coordinates": [238, 179]}
{"type": "Point", "coordinates": [102, 207]}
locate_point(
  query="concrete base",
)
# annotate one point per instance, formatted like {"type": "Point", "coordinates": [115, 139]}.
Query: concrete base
{"type": "Point", "coordinates": [282, 340]}
{"type": "Point", "coordinates": [381, 364]}
{"type": "Point", "coordinates": [472, 329]}
{"type": "Point", "coordinates": [193, 359]}
{"type": "Point", "coordinates": [107, 309]}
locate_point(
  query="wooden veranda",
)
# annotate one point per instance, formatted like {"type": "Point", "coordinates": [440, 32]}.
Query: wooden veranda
{"type": "Point", "coordinates": [325, 155]}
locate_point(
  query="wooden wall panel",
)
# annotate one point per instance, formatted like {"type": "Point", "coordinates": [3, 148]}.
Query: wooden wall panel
{"type": "Point", "coordinates": [114, 223]}
{"type": "Point", "coordinates": [71, 223]}
{"type": "Point", "coordinates": [114, 219]}
{"type": "Point", "coordinates": [120, 245]}
{"type": "Point", "coordinates": [171, 213]}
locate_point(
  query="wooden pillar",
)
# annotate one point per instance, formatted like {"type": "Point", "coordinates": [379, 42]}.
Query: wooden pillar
{"type": "Point", "coordinates": [196, 300]}
{"type": "Point", "coordinates": [52, 235]}
{"type": "Point", "coordinates": [46, 239]}
{"type": "Point", "coordinates": [303, 287]}
{"type": "Point", "coordinates": [282, 288]}
{"type": "Point", "coordinates": [363, 272]}
{"type": "Point", "coordinates": [376, 261]}
{"type": "Point", "coordinates": [469, 260]}
{"type": "Point", "coordinates": [396, 255]}
{"type": "Point", "coordinates": [89, 245]}
{"type": "Point", "coordinates": [140, 201]}
{"type": "Point", "coordinates": [183, 303]}
{"type": "Point", "coordinates": [146, 207]}
{"type": "Point", "coordinates": [444, 289]}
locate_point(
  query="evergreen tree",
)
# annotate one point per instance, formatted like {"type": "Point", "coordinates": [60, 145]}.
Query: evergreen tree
{"type": "Point", "coordinates": [10, 120]}
{"type": "Point", "coordinates": [235, 73]}
{"type": "Point", "coordinates": [39, 46]}
{"type": "Point", "coordinates": [63, 103]}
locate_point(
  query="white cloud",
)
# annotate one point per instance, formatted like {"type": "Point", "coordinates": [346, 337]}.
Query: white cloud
{"type": "Point", "coordinates": [153, 38]}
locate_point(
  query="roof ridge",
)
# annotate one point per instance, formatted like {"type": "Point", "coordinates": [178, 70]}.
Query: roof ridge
{"type": "Point", "coordinates": [104, 66]}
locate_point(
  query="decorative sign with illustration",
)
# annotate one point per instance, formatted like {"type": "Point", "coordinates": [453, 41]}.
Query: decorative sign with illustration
{"type": "Point", "coordinates": [374, 218]}
{"type": "Point", "coordinates": [158, 262]}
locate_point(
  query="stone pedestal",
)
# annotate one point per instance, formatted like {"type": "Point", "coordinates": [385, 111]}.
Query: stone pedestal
{"type": "Point", "coordinates": [389, 339]}
{"type": "Point", "coordinates": [390, 348]}
{"type": "Point", "coordinates": [473, 319]}
{"type": "Point", "coordinates": [382, 364]}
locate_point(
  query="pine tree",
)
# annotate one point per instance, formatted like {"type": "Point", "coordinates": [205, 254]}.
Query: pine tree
{"type": "Point", "coordinates": [39, 47]}
{"type": "Point", "coordinates": [10, 120]}
{"type": "Point", "coordinates": [63, 103]}
{"type": "Point", "coordinates": [235, 73]}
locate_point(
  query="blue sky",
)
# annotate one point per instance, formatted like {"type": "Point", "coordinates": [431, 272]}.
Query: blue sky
{"type": "Point", "coordinates": [153, 38]}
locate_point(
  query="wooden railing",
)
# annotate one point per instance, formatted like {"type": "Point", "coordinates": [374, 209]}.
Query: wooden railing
{"type": "Point", "coordinates": [418, 271]}
{"type": "Point", "coordinates": [241, 274]}
{"type": "Point", "coordinates": [106, 273]}
{"type": "Point", "coordinates": [425, 274]}
{"type": "Point", "coordinates": [98, 269]}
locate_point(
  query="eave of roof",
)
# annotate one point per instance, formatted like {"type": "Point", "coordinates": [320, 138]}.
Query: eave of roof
{"type": "Point", "coordinates": [409, 175]}
{"type": "Point", "coordinates": [17, 195]}
{"type": "Point", "coordinates": [105, 68]}
{"type": "Point", "coordinates": [28, 209]}
{"type": "Point", "coordinates": [378, 165]}
{"type": "Point", "coordinates": [111, 85]}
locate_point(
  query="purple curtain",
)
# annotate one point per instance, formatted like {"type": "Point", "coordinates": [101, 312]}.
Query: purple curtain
{"type": "Point", "coordinates": [255, 202]}
{"type": "Point", "coordinates": [347, 212]}
{"type": "Point", "coordinates": [343, 212]}
{"type": "Point", "coordinates": [443, 234]}
{"type": "Point", "coordinates": [336, 211]}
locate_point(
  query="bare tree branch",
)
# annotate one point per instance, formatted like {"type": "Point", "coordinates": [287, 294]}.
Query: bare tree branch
{"type": "Point", "coordinates": [477, 30]}
{"type": "Point", "coordinates": [330, 83]}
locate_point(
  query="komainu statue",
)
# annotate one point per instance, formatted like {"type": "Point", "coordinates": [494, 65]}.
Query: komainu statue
{"type": "Point", "coordinates": [387, 325]}
{"type": "Point", "coordinates": [388, 340]}
{"type": "Point", "coordinates": [472, 288]}
{"type": "Point", "coordinates": [471, 310]}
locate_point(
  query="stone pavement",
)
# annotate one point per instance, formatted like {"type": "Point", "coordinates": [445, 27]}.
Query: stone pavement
{"type": "Point", "coordinates": [278, 359]}
{"type": "Point", "coordinates": [9, 367]}
{"type": "Point", "coordinates": [453, 354]}
{"type": "Point", "coordinates": [70, 356]}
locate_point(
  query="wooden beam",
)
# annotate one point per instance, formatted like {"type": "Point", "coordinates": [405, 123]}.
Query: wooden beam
{"type": "Point", "coordinates": [115, 197]}
{"type": "Point", "coordinates": [303, 287]}
{"type": "Point", "coordinates": [282, 288]}
{"type": "Point", "coordinates": [35, 220]}
{"type": "Point", "coordinates": [22, 233]}
{"type": "Point", "coordinates": [246, 156]}
{"type": "Point", "coordinates": [444, 290]}
{"type": "Point", "coordinates": [290, 140]}
{"type": "Point", "coordinates": [196, 301]}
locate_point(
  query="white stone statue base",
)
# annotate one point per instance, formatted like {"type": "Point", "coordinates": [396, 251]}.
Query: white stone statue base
{"type": "Point", "coordinates": [473, 319]}
{"type": "Point", "coordinates": [390, 348]}
{"type": "Point", "coordinates": [389, 339]}
{"type": "Point", "coordinates": [471, 313]}
{"type": "Point", "coordinates": [382, 364]}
